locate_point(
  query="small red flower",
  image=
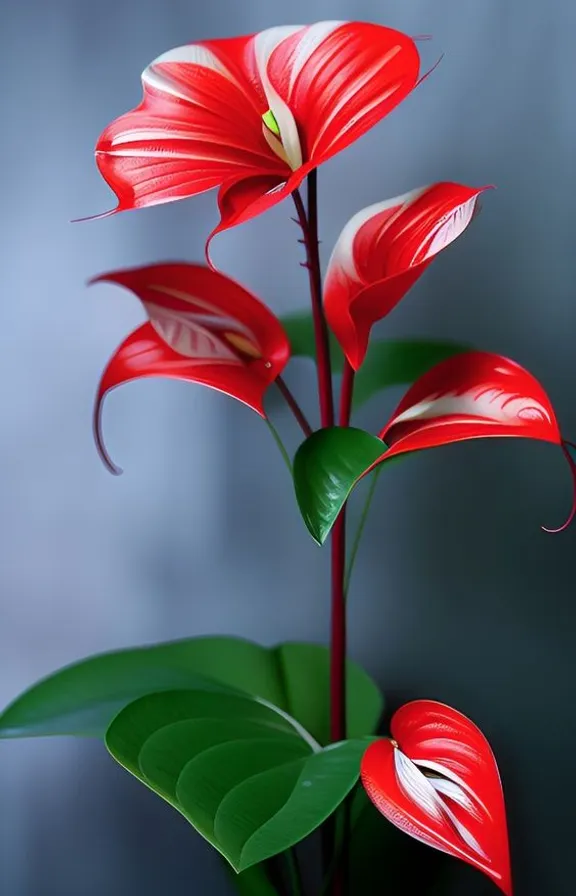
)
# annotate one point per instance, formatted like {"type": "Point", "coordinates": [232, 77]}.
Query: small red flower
{"type": "Point", "coordinates": [383, 250]}
{"type": "Point", "coordinates": [438, 781]}
{"type": "Point", "coordinates": [469, 396]}
{"type": "Point", "coordinates": [203, 327]}
{"type": "Point", "coordinates": [254, 115]}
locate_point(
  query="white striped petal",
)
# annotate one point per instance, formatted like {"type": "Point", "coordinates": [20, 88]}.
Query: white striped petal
{"type": "Point", "coordinates": [196, 334]}
{"type": "Point", "coordinates": [348, 96]}
{"type": "Point", "coordinates": [452, 776]}
{"type": "Point", "coordinates": [343, 253]}
{"type": "Point", "coordinates": [193, 54]}
{"type": "Point", "coordinates": [450, 227]}
{"type": "Point", "coordinates": [491, 404]}
{"type": "Point", "coordinates": [423, 792]}
{"type": "Point", "coordinates": [264, 45]}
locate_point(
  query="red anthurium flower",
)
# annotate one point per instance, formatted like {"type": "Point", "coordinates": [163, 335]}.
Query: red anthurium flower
{"type": "Point", "coordinates": [381, 253]}
{"type": "Point", "coordinates": [204, 328]}
{"type": "Point", "coordinates": [438, 781]}
{"type": "Point", "coordinates": [469, 396]}
{"type": "Point", "coordinates": [253, 115]}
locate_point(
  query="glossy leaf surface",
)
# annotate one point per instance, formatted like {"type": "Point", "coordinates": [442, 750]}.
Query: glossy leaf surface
{"type": "Point", "coordinates": [236, 769]}
{"type": "Point", "coordinates": [438, 781]}
{"type": "Point", "coordinates": [470, 395]}
{"type": "Point", "coordinates": [326, 468]}
{"type": "Point", "coordinates": [83, 698]}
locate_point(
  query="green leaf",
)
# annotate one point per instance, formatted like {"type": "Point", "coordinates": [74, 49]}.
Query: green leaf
{"type": "Point", "coordinates": [156, 736]}
{"type": "Point", "coordinates": [237, 770]}
{"type": "Point", "coordinates": [327, 466]}
{"type": "Point", "coordinates": [299, 328]}
{"type": "Point", "coordinates": [389, 362]}
{"type": "Point", "coordinates": [396, 362]}
{"type": "Point", "coordinates": [83, 698]}
{"type": "Point", "coordinates": [269, 810]}
{"type": "Point", "coordinates": [167, 712]}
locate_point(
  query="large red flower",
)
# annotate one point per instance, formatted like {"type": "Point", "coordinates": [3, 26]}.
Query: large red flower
{"type": "Point", "coordinates": [383, 250]}
{"type": "Point", "coordinates": [253, 115]}
{"type": "Point", "coordinates": [438, 781]}
{"type": "Point", "coordinates": [204, 328]}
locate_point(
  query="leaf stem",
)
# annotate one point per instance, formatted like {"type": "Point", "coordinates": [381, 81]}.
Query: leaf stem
{"type": "Point", "coordinates": [280, 443]}
{"type": "Point", "coordinates": [294, 406]}
{"type": "Point", "coordinates": [360, 531]}
{"type": "Point", "coordinates": [294, 875]}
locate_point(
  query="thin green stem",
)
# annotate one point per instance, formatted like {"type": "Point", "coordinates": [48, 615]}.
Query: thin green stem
{"type": "Point", "coordinates": [280, 443]}
{"type": "Point", "coordinates": [360, 531]}
{"type": "Point", "coordinates": [294, 876]}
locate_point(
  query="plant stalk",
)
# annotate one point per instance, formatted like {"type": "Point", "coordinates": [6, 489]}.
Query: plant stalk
{"type": "Point", "coordinates": [294, 406]}
{"type": "Point", "coordinates": [308, 220]}
{"type": "Point", "coordinates": [309, 224]}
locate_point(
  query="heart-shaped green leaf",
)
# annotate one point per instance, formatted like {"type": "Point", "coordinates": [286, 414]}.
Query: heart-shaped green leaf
{"type": "Point", "coordinates": [236, 769]}
{"type": "Point", "coordinates": [272, 809]}
{"type": "Point", "coordinates": [82, 699]}
{"type": "Point", "coordinates": [389, 362]}
{"type": "Point", "coordinates": [327, 466]}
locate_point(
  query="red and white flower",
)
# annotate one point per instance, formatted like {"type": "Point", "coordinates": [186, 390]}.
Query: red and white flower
{"type": "Point", "coordinates": [438, 781]}
{"type": "Point", "coordinates": [254, 115]}
{"type": "Point", "coordinates": [204, 328]}
{"type": "Point", "coordinates": [470, 396]}
{"type": "Point", "coordinates": [383, 250]}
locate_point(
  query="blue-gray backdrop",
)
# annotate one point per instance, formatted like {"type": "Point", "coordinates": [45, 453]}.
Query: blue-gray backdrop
{"type": "Point", "coordinates": [459, 596]}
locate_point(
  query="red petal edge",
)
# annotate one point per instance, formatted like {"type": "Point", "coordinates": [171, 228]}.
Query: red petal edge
{"type": "Point", "coordinates": [438, 781]}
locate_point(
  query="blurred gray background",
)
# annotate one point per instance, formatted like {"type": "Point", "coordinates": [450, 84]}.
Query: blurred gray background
{"type": "Point", "coordinates": [458, 596]}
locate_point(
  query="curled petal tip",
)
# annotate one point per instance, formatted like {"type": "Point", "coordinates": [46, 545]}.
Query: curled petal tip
{"type": "Point", "coordinates": [207, 255]}
{"type": "Point", "coordinates": [572, 513]}
{"type": "Point", "coordinates": [107, 214]}
{"type": "Point", "coordinates": [99, 442]}
{"type": "Point", "coordinates": [430, 70]}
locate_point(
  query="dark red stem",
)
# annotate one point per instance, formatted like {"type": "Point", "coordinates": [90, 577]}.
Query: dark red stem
{"type": "Point", "coordinates": [309, 224]}
{"type": "Point", "coordinates": [294, 406]}
{"type": "Point", "coordinates": [308, 221]}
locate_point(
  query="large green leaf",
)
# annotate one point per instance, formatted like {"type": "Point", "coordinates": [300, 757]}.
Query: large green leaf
{"type": "Point", "coordinates": [238, 771]}
{"type": "Point", "coordinates": [327, 466]}
{"type": "Point", "coordinates": [83, 698]}
{"type": "Point", "coordinates": [389, 362]}
{"type": "Point", "coordinates": [269, 812]}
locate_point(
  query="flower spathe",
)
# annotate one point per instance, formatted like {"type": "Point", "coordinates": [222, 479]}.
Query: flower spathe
{"type": "Point", "coordinates": [204, 328]}
{"type": "Point", "coordinates": [254, 115]}
{"type": "Point", "coordinates": [473, 395]}
{"type": "Point", "coordinates": [437, 780]}
{"type": "Point", "coordinates": [383, 250]}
